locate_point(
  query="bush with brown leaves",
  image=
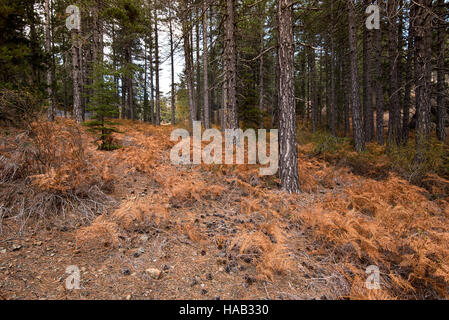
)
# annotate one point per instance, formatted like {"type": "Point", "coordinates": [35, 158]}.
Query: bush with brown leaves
{"type": "Point", "coordinates": [47, 170]}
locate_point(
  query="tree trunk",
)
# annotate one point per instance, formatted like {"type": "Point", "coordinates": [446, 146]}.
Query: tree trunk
{"type": "Point", "coordinates": [313, 93]}
{"type": "Point", "coordinates": [156, 53]}
{"type": "Point", "coordinates": [145, 84]}
{"type": "Point", "coordinates": [198, 66]}
{"type": "Point", "coordinates": [347, 97]}
{"type": "Point", "coordinates": [408, 84]}
{"type": "Point", "coordinates": [130, 85]}
{"type": "Point", "coordinates": [368, 121]}
{"type": "Point", "coordinates": [65, 77]}
{"type": "Point", "coordinates": [261, 64]}
{"type": "Point", "coordinates": [423, 42]}
{"type": "Point", "coordinates": [205, 69]}
{"type": "Point", "coordinates": [394, 123]}
{"type": "Point", "coordinates": [377, 74]}
{"type": "Point", "coordinates": [152, 116]}
{"type": "Point", "coordinates": [441, 106]}
{"type": "Point", "coordinates": [51, 106]}
{"type": "Point", "coordinates": [230, 107]}
{"type": "Point", "coordinates": [186, 34]}
{"type": "Point", "coordinates": [172, 60]}
{"type": "Point", "coordinates": [288, 158]}
{"type": "Point", "coordinates": [332, 63]}
{"type": "Point", "coordinates": [76, 76]}
{"type": "Point", "coordinates": [359, 140]}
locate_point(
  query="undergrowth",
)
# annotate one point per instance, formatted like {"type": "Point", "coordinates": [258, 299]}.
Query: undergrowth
{"type": "Point", "coordinates": [354, 220]}
{"type": "Point", "coordinates": [47, 170]}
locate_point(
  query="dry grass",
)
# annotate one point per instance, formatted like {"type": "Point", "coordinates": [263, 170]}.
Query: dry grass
{"type": "Point", "coordinates": [354, 221]}
{"type": "Point", "coordinates": [390, 224]}
{"type": "Point", "coordinates": [49, 170]}
{"type": "Point", "coordinates": [266, 249]}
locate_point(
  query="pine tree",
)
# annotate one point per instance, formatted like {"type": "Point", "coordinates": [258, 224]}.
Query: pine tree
{"type": "Point", "coordinates": [103, 105]}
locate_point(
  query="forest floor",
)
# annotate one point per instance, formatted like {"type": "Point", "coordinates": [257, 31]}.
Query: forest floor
{"type": "Point", "coordinates": [165, 231]}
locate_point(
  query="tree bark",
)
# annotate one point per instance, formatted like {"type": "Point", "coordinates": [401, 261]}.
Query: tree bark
{"type": "Point", "coordinates": [51, 106]}
{"type": "Point", "coordinates": [347, 98]}
{"type": "Point", "coordinates": [332, 63]}
{"type": "Point", "coordinates": [288, 158]}
{"type": "Point", "coordinates": [313, 92]}
{"type": "Point", "coordinates": [368, 120]}
{"type": "Point", "coordinates": [230, 107]}
{"type": "Point", "coordinates": [186, 34]}
{"type": "Point", "coordinates": [130, 85]}
{"type": "Point", "coordinates": [377, 74]}
{"type": "Point", "coordinates": [359, 140]}
{"type": "Point", "coordinates": [261, 63]}
{"type": "Point", "coordinates": [145, 84]}
{"type": "Point", "coordinates": [394, 123]}
{"type": "Point", "coordinates": [76, 76]}
{"type": "Point", "coordinates": [172, 60]}
{"type": "Point", "coordinates": [205, 69]}
{"type": "Point", "coordinates": [423, 43]}
{"type": "Point", "coordinates": [408, 84]}
{"type": "Point", "coordinates": [198, 66]}
{"type": "Point", "coordinates": [441, 105]}
{"type": "Point", "coordinates": [156, 53]}
{"type": "Point", "coordinates": [152, 116]}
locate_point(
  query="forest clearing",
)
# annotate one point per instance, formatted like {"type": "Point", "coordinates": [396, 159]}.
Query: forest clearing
{"type": "Point", "coordinates": [214, 231]}
{"type": "Point", "coordinates": [224, 150]}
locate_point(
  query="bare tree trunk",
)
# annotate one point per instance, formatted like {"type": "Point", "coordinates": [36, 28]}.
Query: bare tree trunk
{"type": "Point", "coordinates": [276, 98]}
{"type": "Point", "coordinates": [357, 124]}
{"type": "Point", "coordinates": [230, 107]}
{"type": "Point", "coordinates": [156, 52]}
{"type": "Point", "coordinates": [261, 64]}
{"type": "Point", "coordinates": [423, 43]}
{"type": "Point", "coordinates": [95, 36]}
{"type": "Point", "coordinates": [368, 121]}
{"type": "Point", "coordinates": [198, 66]}
{"type": "Point", "coordinates": [205, 69]}
{"type": "Point", "coordinates": [83, 72]}
{"type": "Point", "coordinates": [124, 114]}
{"type": "Point", "coordinates": [288, 158]}
{"type": "Point", "coordinates": [130, 85]}
{"type": "Point", "coordinates": [377, 74]}
{"type": "Point", "coordinates": [186, 34]}
{"type": "Point", "coordinates": [313, 98]}
{"type": "Point", "coordinates": [152, 116]}
{"type": "Point", "coordinates": [441, 106]}
{"type": "Point", "coordinates": [400, 63]}
{"type": "Point", "coordinates": [76, 76]}
{"type": "Point", "coordinates": [65, 77]}
{"type": "Point", "coordinates": [359, 140]}
{"type": "Point", "coordinates": [97, 32]}
{"type": "Point", "coordinates": [145, 84]}
{"type": "Point", "coordinates": [172, 60]}
{"type": "Point", "coordinates": [332, 63]}
{"type": "Point", "coordinates": [408, 84]}
{"type": "Point", "coordinates": [347, 98]}
{"type": "Point", "coordinates": [51, 106]}
{"type": "Point", "coordinates": [394, 123]}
